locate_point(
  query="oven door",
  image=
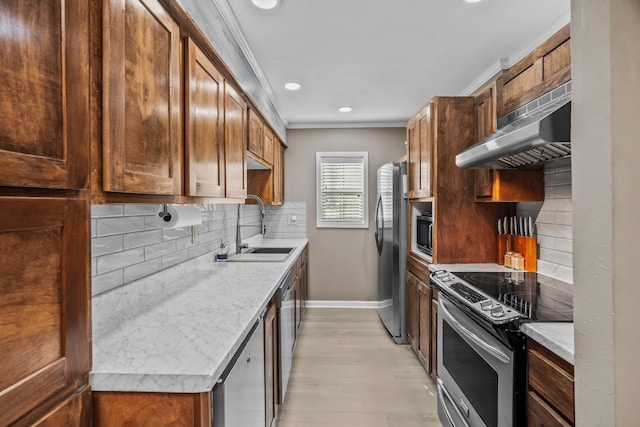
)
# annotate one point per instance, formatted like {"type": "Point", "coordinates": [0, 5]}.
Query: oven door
{"type": "Point", "coordinates": [475, 370]}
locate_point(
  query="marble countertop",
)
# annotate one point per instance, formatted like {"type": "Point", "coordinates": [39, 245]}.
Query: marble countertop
{"type": "Point", "coordinates": [557, 337]}
{"type": "Point", "coordinates": [177, 330]}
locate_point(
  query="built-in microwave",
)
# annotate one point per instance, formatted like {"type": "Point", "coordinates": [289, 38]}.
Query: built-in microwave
{"type": "Point", "coordinates": [424, 233]}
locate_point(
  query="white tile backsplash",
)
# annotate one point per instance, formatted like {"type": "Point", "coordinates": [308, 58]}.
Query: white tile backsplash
{"type": "Point", "coordinates": [127, 243]}
{"type": "Point", "coordinates": [554, 221]}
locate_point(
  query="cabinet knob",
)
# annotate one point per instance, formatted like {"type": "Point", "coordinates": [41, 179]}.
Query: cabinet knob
{"type": "Point", "coordinates": [248, 359]}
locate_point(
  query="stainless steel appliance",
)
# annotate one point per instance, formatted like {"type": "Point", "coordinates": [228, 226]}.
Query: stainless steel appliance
{"type": "Point", "coordinates": [238, 397]}
{"type": "Point", "coordinates": [391, 242]}
{"type": "Point", "coordinates": [286, 319]}
{"type": "Point", "coordinates": [481, 352]}
{"type": "Point", "coordinates": [424, 233]}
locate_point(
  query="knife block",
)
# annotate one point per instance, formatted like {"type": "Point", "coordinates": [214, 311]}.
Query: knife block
{"type": "Point", "coordinates": [527, 246]}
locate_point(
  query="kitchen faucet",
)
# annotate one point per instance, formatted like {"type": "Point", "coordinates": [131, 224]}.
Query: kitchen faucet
{"type": "Point", "coordinates": [239, 244]}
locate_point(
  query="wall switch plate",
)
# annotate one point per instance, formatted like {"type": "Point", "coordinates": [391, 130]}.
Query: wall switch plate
{"type": "Point", "coordinates": [293, 219]}
{"type": "Point", "coordinates": [195, 234]}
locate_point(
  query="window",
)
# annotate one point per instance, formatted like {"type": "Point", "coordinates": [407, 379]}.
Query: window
{"type": "Point", "coordinates": [341, 190]}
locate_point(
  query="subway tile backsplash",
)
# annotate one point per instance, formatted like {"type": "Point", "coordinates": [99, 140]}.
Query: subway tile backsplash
{"type": "Point", "coordinates": [127, 243]}
{"type": "Point", "coordinates": [554, 221]}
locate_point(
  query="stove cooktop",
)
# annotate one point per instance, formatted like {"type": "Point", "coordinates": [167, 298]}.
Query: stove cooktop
{"type": "Point", "coordinates": [513, 295]}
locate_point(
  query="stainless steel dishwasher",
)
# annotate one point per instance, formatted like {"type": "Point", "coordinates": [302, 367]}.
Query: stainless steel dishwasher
{"type": "Point", "coordinates": [286, 307]}
{"type": "Point", "coordinates": [239, 397]}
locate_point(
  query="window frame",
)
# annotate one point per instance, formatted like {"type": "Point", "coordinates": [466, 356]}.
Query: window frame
{"type": "Point", "coordinates": [362, 157]}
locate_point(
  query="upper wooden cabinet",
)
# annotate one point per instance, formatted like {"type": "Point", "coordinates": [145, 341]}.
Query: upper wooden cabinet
{"type": "Point", "coordinates": [204, 126]}
{"type": "Point", "coordinates": [547, 67]}
{"type": "Point", "coordinates": [44, 305]}
{"type": "Point", "coordinates": [141, 99]}
{"type": "Point", "coordinates": [256, 134]}
{"type": "Point", "coordinates": [235, 120]}
{"type": "Point", "coordinates": [268, 142]}
{"type": "Point", "coordinates": [44, 93]}
{"type": "Point", "coordinates": [420, 134]}
{"type": "Point", "coordinates": [501, 185]}
{"type": "Point", "coordinates": [278, 173]}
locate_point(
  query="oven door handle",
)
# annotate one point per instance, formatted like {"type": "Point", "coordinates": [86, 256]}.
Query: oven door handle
{"type": "Point", "coordinates": [444, 395]}
{"type": "Point", "coordinates": [504, 358]}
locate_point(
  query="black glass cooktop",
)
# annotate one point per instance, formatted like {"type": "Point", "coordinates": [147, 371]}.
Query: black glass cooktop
{"type": "Point", "coordinates": [522, 291]}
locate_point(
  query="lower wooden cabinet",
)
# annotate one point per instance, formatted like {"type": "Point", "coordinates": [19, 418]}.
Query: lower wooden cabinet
{"type": "Point", "coordinates": [434, 334]}
{"type": "Point", "coordinates": [44, 303]}
{"type": "Point", "coordinates": [550, 396]}
{"type": "Point", "coordinates": [116, 409]}
{"type": "Point", "coordinates": [419, 319]}
{"type": "Point", "coordinates": [74, 411]}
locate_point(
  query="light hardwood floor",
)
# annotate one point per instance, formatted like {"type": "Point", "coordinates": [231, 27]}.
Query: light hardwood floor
{"type": "Point", "coordinates": [348, 372]}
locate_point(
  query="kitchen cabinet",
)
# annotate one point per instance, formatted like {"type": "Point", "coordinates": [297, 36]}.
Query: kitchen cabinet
{"type": "Point", "coordinates": [142, 143]}
{"type": "Point", "coordinates": [116, 409]}
{"type": "Point", "coordinates": [235, 120]}
{"type": "Point", "coordinates": [45, 94]}
{"type": "Point", "coordinates": [550, 395]}
{"type": "Point", "coordinates": [256, 134]}
{"type": "Point", "coordinates": [420, 134]}
{"type": "Point", "coordinates": [204, 114]}
{"type": "Point", "coordinates": [449, 123]}
{"type": "Point", "coordinates": [45, 340]}
{"type": "Point", "coordinates": [271, 372]}
{"type": "Point", "coordinates": [73, 411]}
{"type": "Point", "coordinates": [501, 185]}
{"type": "Point", "coordinates": [542, 70]}
{"type": "Point", "coordinates": [419, 318]}
{"type": "Point", "coordinates": [433, 361]}
{"type": "Point", "coordinates": [268, 141]}
{"type": "Point", "coordinates": [278, 173]}
{"type": "Point", "coordinates": [413, 311]}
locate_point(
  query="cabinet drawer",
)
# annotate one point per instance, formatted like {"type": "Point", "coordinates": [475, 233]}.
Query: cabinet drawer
{"type": "Point", "coordinates": [552, 378]}
{"type": "Point", "coordinates": [540, 414]}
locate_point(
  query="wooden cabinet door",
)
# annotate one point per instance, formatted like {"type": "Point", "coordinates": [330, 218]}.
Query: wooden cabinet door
{"type": "Point", "coordinates": [434, 335]}
{"type": "Point", "coordinates": [278, 173]}
{"type": "Point", "coordinates": [412, 311]}
{"type": "Point", "coordinates": [204, 157]}
{"type": "Point", "coordinates": [141, 99]}
{"type": "Point", "coordinates": [235, 113]}
{"type": "Point", "coordinates": [544, 69]}
{"type": "Point", "coordinates": [44, 309]}
{"type": "Point", "coordinates": [420, 154]}
{"type": "Point", "coordinates": [73, 412]}
{"type": "Point", "coordinates": [424, 325]}
{"type": "Point", "coordinates": [44, 94]}
{"type": "Point", "coordinates": [256, 133]}
{"type": "Point", "coordinates": [270, 364]}
{"type": "Point", "coordinates": [267, 145]}
{"type": "Point", "coordinates": [486, 123]}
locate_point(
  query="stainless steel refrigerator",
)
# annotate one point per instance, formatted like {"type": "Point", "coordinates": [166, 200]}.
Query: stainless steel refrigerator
{"type": "Point", "coordinates": [391, 241]}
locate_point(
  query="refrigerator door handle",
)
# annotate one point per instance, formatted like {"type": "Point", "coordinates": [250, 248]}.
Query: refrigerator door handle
{"type": "Point", "coordinates": [379, 234]}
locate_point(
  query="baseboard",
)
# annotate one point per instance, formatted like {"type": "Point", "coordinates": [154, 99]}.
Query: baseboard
{"type": "Point", "coordinates": [343, 304]}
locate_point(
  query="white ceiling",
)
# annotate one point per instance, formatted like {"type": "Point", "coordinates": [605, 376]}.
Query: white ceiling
{"type": "Point", "coordinates": [386, 58]}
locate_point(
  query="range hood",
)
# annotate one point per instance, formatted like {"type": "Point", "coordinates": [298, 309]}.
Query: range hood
{"type": "Point", "coordinates": [533, 138]}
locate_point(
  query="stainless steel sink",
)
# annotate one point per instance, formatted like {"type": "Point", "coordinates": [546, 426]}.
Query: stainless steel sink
{"type": "Point", "coordinates": [264, 250]}
{"type": "Point", "coordinates": [264, 254]}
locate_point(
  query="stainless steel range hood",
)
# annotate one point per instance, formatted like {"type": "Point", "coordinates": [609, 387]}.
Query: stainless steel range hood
{"type": "Point", "coordinates": [533, 138]}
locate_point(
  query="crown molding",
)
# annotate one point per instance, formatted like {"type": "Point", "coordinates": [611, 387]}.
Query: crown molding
{"type": "Point", "coordinates": [347, 125]}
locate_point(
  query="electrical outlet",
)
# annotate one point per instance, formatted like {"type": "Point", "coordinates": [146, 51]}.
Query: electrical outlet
{"type": "Point", "coordinates": [195, 234]}
{"type": "Point", "coordinates": [293, 219]}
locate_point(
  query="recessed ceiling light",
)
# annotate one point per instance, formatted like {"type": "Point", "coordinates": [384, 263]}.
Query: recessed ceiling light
{"type": "Point", "coordinates": [473, 1]}
{"type": "Point", "coordinates": [265, 4]}
{"type": "Point", "coordinates": [345, 109]}
{"type": "Point", "coordinates": [292, 86]}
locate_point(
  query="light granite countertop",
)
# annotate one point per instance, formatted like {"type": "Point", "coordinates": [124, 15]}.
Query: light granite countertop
{"type": "Point", "coordinates": [557, 337]}
{"type": "Point", "coordinates": [177, 330]}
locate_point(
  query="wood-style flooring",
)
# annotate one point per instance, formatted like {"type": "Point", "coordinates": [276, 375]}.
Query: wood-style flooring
{"type": "Point", "coordinates": [348, 372]}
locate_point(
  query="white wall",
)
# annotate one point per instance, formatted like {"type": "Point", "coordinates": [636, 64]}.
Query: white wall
{"type": "Point", "coordinates": [605, 67]}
